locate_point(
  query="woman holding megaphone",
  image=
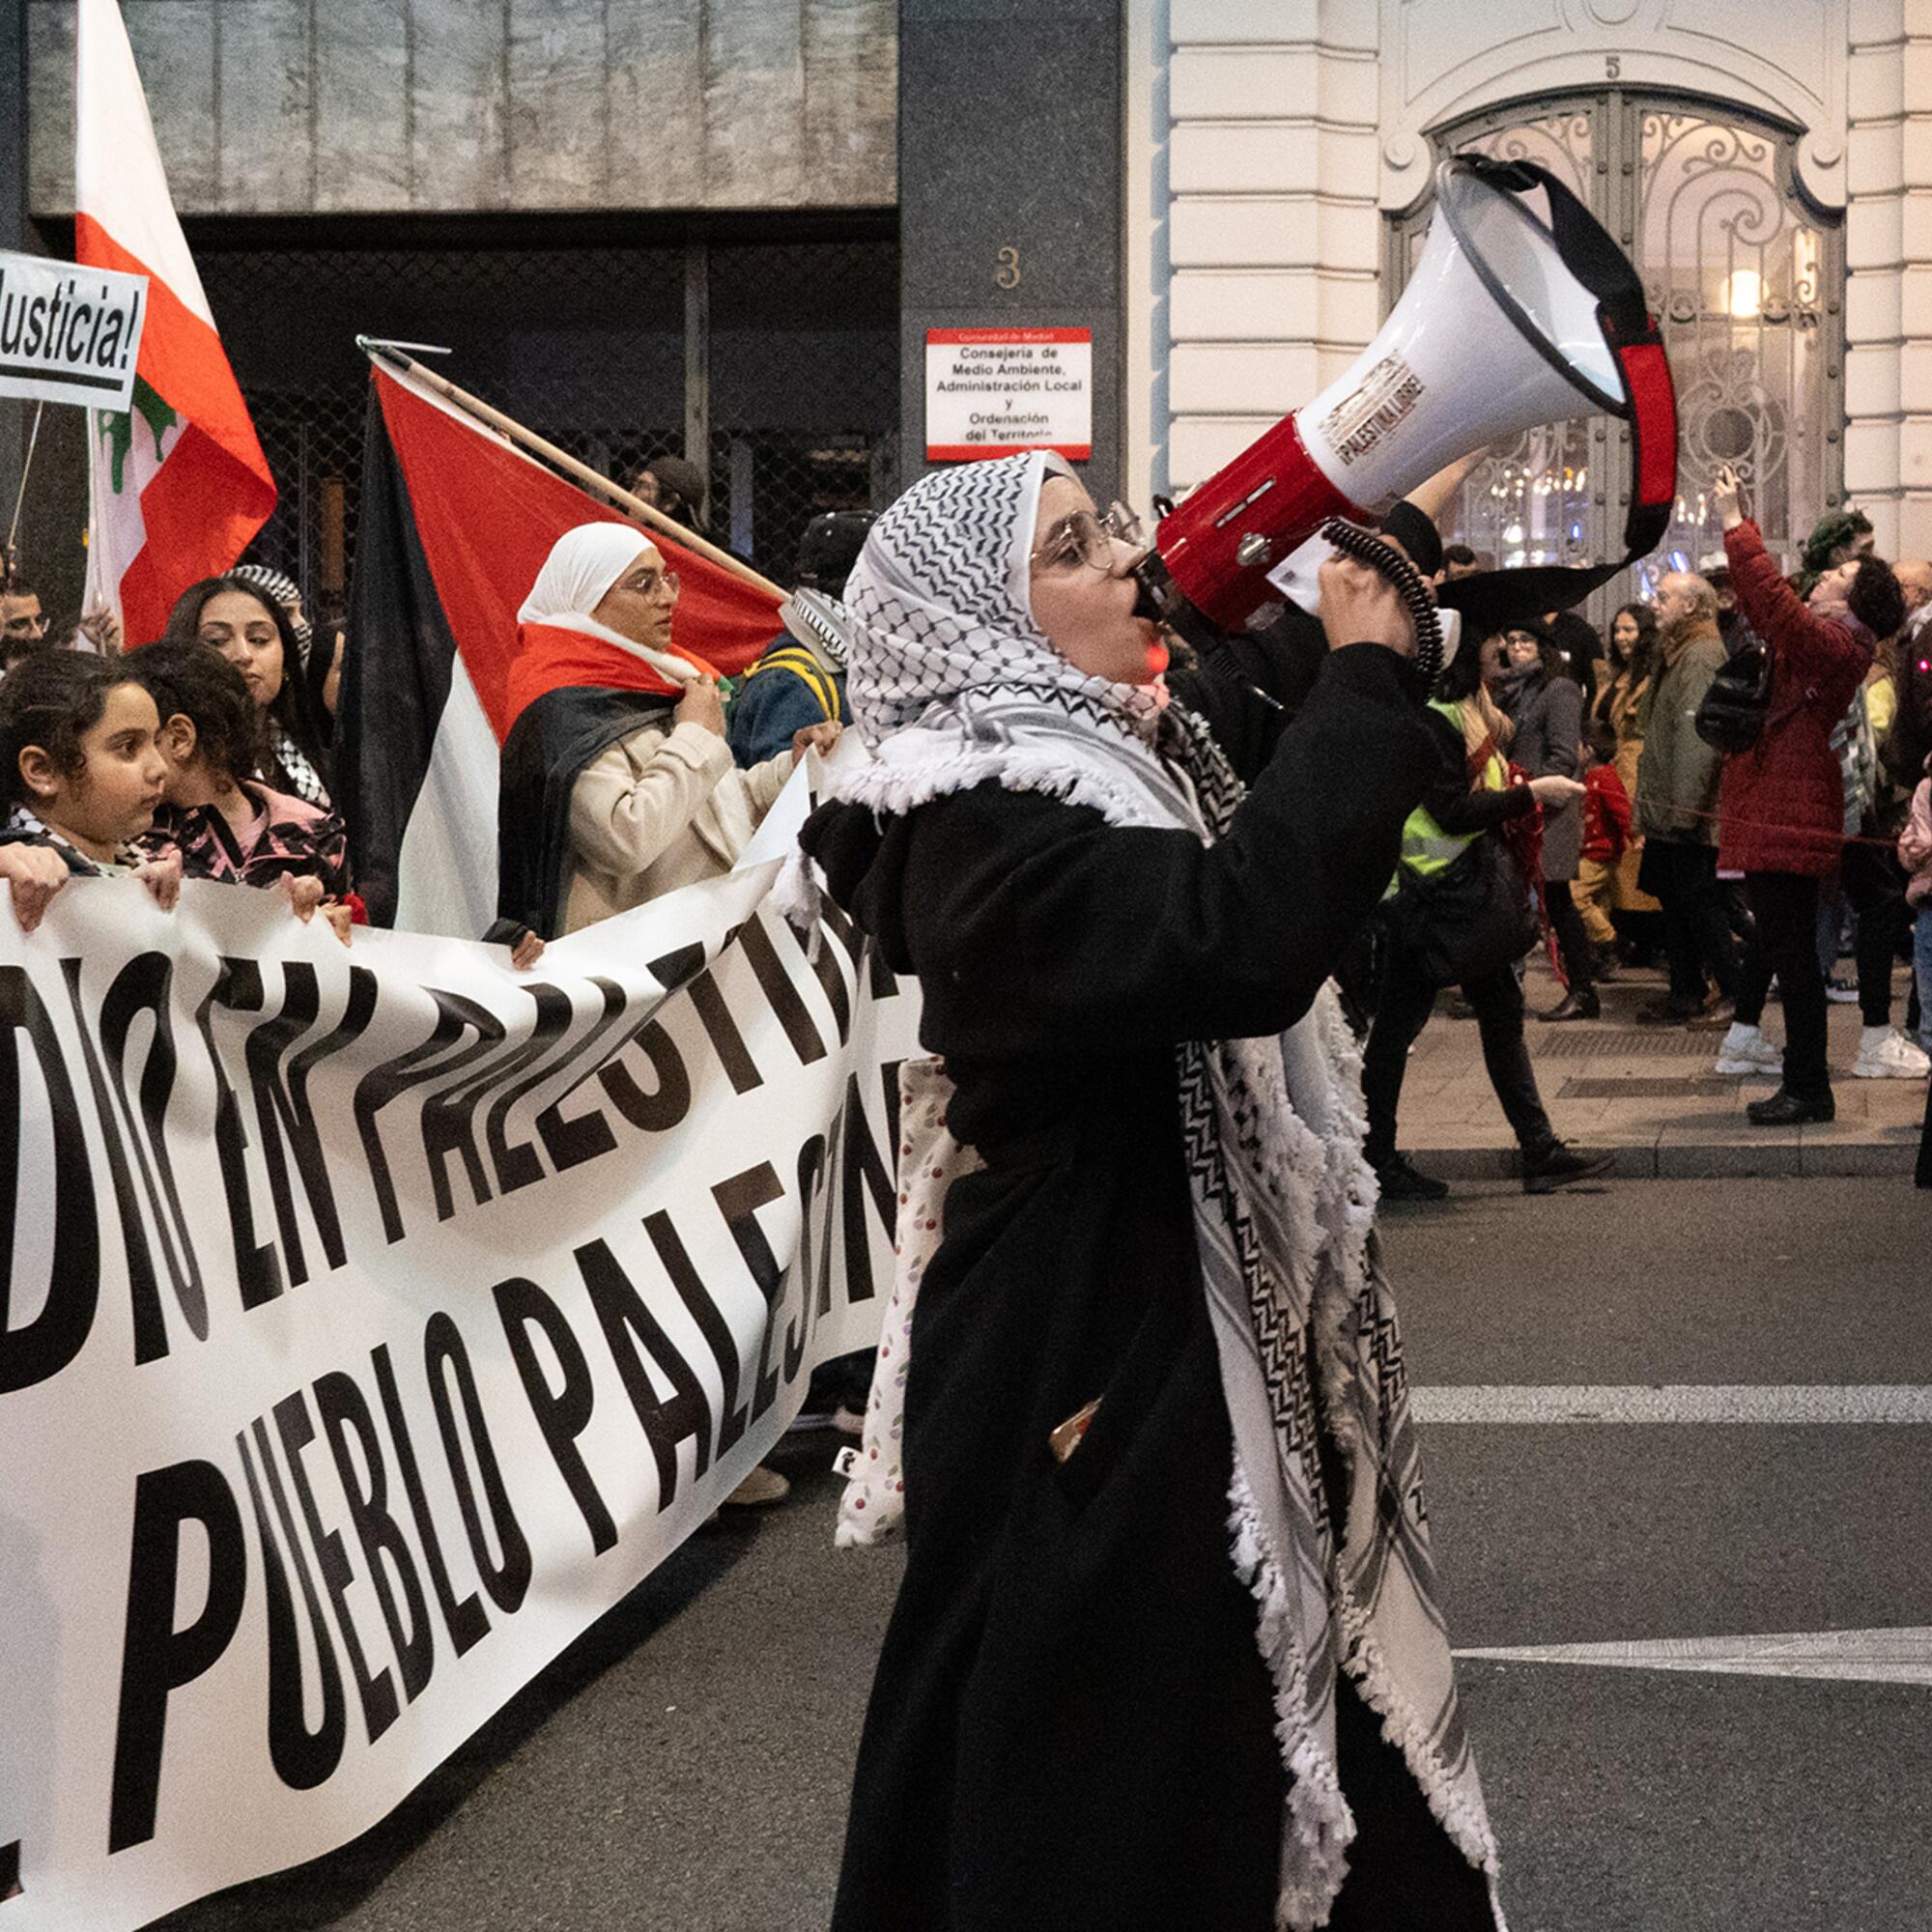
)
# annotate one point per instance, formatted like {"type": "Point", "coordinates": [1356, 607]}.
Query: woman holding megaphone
{"type": "Point", "coordinates": [1167, 1651]}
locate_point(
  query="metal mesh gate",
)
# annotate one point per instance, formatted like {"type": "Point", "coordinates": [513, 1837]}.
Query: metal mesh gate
{"type": "Point", "coordinates": [774, 364]}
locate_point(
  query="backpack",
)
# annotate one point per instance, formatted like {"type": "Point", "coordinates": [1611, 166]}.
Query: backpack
{"type": "Point", "coordinates": [1732, 714]}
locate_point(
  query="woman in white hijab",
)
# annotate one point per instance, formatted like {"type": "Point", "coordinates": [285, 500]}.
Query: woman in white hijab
{"type": "Point", "coordinates": [1167, 1651]}
{"type": "Point", "coordinates": [617, 783]}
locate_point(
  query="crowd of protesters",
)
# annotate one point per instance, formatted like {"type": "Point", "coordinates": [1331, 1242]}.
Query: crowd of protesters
{"type": "Point", "coordinates": [1049, 782]}
{"type": "Point", "coordinates": [1579, 758]}
{"type": "Point", "coordinates": [1744, 863]}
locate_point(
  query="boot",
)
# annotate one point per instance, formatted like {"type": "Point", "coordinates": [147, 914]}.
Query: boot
{"type": "Point", "coordinates": [1579, 1002]}
{"type": "Point", "coordinates": [1400, 1180]}
{"type": "Point", "coordinates": [1786, 1109]}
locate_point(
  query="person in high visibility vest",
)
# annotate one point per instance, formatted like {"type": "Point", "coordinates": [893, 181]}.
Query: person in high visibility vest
{"type": "Point", "coordinates": [1471, 800]}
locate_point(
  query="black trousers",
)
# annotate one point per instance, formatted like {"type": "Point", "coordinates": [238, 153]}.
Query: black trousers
{"type": "Point", "coordinates": [1785, 908]}
{"type": "Point", "coordinates": [1572, 941]}
{"type": "Point", "coordinates": [1408, 999]}
{"type": "Point", "coordinates": [1874, 882]}
{"type": "Point", "coordinates": [1682, 876]}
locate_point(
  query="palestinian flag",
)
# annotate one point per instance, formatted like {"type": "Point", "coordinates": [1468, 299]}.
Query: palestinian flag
{"type": "Point", "coordinates": [177, 486]}
{"type": "Point", "coordinates": [454, 523]}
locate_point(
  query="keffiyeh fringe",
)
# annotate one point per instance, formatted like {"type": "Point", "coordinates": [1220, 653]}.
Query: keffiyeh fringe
{"type": "Point", "coordinates": [954, 684]}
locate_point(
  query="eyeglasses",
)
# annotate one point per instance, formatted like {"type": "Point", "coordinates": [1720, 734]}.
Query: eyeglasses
{"type": "Point", "coordinates": [648, 582]}
{"type": "Point", "coordinates": [1083, 541]}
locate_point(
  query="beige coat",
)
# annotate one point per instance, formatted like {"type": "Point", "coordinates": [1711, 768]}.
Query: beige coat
{"type": "Point", "coordinates": [658, 811]}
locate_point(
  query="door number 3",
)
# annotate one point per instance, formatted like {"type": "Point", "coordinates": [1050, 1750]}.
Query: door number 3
{"type": "Point", "coordinates": [1008, 274]}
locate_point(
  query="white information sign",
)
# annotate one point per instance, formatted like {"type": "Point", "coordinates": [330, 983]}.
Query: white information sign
{"type": "Point", "coordinates": [69, 334]}
{"type": "Point", "coordinates": [995, 391]}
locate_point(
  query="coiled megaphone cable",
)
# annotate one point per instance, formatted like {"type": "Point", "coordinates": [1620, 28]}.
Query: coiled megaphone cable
{"type": "Point", "coordinates": [1386, 561]}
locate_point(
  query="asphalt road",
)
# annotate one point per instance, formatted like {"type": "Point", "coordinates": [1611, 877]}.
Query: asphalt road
{"type": "Point", "coordinates": [683, 1768]}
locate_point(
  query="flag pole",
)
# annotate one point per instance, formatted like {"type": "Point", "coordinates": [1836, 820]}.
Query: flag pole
{"type": "Point", "coordinates": [9, 555]}
{"type": "Point", "coordinates": [391, 356]}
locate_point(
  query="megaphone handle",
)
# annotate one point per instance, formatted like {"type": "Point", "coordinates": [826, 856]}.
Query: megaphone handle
{"type": "Point", "coordinates": [1383, 558]}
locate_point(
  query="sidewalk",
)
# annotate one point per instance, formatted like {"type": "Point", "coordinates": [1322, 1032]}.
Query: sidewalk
{"type": "Point", "coordinates": [1649, 1092]}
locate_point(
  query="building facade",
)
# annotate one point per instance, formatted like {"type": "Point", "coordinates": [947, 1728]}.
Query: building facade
{"type": "Point", "coordinates": [653, 225]}
{"type": "Point", "coordinates": [1766, 167]}
{"type": "Point", "coordinates": [640, 226]}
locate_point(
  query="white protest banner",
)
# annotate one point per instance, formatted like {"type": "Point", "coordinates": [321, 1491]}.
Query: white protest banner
{"type": "Point", "coordinates": [69, 334]}
{"type": "Point", "coordinates": [996, 391]}
{"type": "Point", "coordinates": [374, 1320]}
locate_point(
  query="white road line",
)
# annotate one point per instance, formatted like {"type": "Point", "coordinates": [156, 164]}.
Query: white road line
{"type": "Point", "coordinates": [1860, 1403]}
{"type": "Point", "coordinates": [1857, 1656]}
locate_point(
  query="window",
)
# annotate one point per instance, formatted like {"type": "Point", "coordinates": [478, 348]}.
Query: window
{"type": "Point", "coordinates": [1746, 280]}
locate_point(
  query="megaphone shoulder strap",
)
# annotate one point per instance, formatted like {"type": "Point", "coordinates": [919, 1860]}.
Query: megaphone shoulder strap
{"type": "Point", "coordinates": [1632, 335]}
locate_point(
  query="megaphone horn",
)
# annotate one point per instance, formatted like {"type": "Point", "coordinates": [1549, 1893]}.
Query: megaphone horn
{"type": "Point", "coordinates": [1508, 322]}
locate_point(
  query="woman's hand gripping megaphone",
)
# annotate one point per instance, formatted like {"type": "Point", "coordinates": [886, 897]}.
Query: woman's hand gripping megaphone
{"type": "Point", "coordinates": [1359, 606]}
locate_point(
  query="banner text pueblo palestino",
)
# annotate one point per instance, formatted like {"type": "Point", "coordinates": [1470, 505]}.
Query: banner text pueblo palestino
{"type": "Point", "coordinates": [375, 1318]}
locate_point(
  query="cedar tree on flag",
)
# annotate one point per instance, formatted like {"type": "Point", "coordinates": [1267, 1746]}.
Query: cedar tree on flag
{"type": "Point", "coordinates": [453, 525]}
{"type": "Point", "coordinates": [177, 486]}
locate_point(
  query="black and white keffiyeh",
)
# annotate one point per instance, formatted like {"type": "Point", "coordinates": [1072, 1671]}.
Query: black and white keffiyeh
{"type": "Point", "coordinates": [286, 592]}
{"type": "Point", "coordinates": [951, 684]}
{"type": "Point", "coordinates": [291, 768]}
{"type": "Point", "coordinates": [22, 822]}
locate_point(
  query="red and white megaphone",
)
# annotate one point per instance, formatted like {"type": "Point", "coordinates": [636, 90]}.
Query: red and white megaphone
{"type": "Point", "coordinates": [1508, 322]}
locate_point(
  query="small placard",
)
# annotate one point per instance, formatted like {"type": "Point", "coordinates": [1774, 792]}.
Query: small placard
{"type": "Point", "coordinates": [996, 391]}
{"type": "Point", "coordinates": [69, 334]}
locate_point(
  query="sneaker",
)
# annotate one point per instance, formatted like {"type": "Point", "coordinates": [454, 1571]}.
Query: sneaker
{"type": "Point", "coordinates": [1886, 1054]}
{"type": "Point", "coordinates": [1401, 1180]}
{"type": "Point", "coordinates": [760, 1490]}
{"type": "Point", "coordinates": [1560, 1163]}
{"type": "Point", "coordinates": [1746, 1050]}
{"type": "Point", "coordinates": [1840, 991]}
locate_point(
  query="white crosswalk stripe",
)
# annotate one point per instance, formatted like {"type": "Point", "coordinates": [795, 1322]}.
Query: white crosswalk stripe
{"type": "Point", "coordinates": [1860, 1404]}
{"type": "Point", "coordinates": [1853, 1656]}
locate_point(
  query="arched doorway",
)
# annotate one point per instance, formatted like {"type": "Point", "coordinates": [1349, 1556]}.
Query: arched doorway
{"type": "Point", "coordinates": [1748, 280]}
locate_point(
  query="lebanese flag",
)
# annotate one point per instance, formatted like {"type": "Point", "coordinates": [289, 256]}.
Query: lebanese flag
{"type": "Point", "coordinates": [177, 487]}
{"type": "Point", "coordinates": [453, 525]}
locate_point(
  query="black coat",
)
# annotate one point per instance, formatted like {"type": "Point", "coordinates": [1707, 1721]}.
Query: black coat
{"type": "Point", "coordinates": [554, 739]}
{"type": "Point", "coordinates": [1549, 718]}
{"type": "Point", "coordinates": [1072, 1726]}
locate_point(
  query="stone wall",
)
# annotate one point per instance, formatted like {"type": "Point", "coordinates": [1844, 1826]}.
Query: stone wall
{"type": "Point", "coordinates": [1888, 250]}
{"type": "Point", "coordinates": [1271, 231]}
{"type": "Point", "coordinates": [459, 106]}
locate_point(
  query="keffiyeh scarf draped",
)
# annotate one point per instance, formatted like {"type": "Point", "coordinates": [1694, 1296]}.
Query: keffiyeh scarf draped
{"type": "Point", "coordinates": [951, 684]}
{"type": "Point", "coordinates": [290, 764]}
{"type": "Point", "coordinates": [24, 823]}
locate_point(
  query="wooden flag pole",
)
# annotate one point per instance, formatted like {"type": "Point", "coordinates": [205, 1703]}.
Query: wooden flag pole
{"type": "Point", "coordinates": [582, 472]}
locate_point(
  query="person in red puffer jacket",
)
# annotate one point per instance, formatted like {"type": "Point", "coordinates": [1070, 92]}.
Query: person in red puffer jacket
{"type": "Point", "coordinates": [1782, 806]}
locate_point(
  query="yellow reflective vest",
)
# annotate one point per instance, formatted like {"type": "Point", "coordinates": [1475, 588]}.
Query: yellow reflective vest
{"type": "Point", "coordinates": [1425, 848]}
